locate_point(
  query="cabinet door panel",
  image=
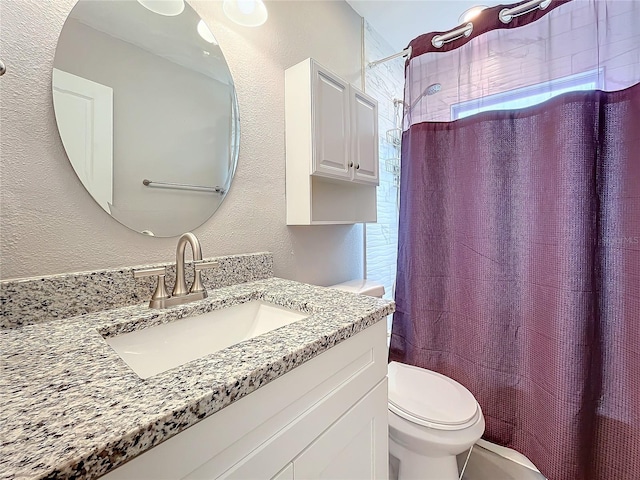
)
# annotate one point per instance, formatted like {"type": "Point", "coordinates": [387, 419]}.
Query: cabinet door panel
{"type": "Point", "coordinates": [364, 137]}
{"type": "Point", "coordinates": [331, 125]}
{"type": "Point", "coordinates": [285, 474]}
{"type": "Point", "coordinates": [355, 447]}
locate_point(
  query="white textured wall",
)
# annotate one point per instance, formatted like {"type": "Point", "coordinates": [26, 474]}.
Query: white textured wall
{"type": "Point", "coordinates": [49, 224]}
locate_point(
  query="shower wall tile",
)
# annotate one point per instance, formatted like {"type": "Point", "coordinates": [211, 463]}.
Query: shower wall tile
{"type": "Point", "coordinates": [385, 82]}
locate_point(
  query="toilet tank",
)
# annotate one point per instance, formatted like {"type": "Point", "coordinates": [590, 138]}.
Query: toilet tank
{"type": "Point", "coordinates": [361, 287]}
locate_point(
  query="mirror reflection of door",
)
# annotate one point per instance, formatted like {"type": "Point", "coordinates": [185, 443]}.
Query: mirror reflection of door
{"type": "Point", "coordinates": [84, 112]}
{"type": "Point", "coordinates": [173, 114]}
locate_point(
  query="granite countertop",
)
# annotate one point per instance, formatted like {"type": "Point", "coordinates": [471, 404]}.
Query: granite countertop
{"type": "Point", "coordinates": [71, 407]}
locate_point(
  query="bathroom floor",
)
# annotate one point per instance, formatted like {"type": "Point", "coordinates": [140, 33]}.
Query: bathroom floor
{"type": "Point", "coordinates": [484, 465]}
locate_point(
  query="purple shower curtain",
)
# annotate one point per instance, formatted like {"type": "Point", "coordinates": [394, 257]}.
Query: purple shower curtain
{"type": "Point", "coordinates": [519, 274]}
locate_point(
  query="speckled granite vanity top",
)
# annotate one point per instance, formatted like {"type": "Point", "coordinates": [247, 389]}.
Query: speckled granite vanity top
{"type": "Point", "coordinates": [70, 407]}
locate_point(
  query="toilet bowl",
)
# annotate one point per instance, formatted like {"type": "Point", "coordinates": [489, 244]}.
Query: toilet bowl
{"type": "Point", "coordinates": [432, 418]}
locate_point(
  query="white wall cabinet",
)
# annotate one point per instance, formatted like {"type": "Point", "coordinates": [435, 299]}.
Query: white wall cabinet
{"type": "Point", "coordinates": [326, 419]}
{"type": "Point", "coordinates": [330, 97]}
{"type": "Point", "coordinates": [332, 148]}
{"type": "Point", "coordinates": [364, 137]}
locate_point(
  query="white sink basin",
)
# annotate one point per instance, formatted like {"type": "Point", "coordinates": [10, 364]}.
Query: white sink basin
{"type": "Point", "coordinates": [156, 349]}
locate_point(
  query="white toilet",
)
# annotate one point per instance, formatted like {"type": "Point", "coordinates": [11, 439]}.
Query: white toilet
{"type": "Point", "coordinates": [432, 418]}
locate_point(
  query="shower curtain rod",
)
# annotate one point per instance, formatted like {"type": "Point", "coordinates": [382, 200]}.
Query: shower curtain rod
{"type": "Point", "coordinates": [404, 53]}
{"type": "Point", "coordinates": [505, 15]}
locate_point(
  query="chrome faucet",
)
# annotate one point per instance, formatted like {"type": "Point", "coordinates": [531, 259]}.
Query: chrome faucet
{"type": "Point", "coordinates": [180, 295]}
{"type": "Point", "coordinates": [180, 287]}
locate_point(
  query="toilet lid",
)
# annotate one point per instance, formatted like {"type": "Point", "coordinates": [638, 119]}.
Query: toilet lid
{"type": "Point", "coordinates": [429, 398]}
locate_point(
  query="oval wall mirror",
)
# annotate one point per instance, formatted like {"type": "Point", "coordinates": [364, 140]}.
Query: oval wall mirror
{"type": "Point", "coordinates": [147, 112]}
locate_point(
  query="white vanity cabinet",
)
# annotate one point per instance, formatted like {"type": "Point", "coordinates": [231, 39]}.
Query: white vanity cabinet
{"type": "Point", "coordinates": [326, 419]}
{"type": "Point", "coordinates": [346, 450]}
{"type": "Point", "coordinates": [331, 148]}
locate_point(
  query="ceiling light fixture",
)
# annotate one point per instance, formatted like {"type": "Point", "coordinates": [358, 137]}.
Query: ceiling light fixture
{"type": "Point", "coordinates": [168, 8]}
{"type": "Point", "coordinates": [471, 13]}
{"type": "Point", "coordinates": [205, 33]}
{"type": "Point", "coordinates": [248, 13]}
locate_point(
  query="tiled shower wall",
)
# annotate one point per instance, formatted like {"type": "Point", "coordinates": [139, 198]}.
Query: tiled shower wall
{"type": "Point", "coordinates": [384, 82]}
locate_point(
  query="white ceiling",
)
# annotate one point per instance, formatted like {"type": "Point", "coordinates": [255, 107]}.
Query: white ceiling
{"type": "Point", "coordinates": [400, 21]}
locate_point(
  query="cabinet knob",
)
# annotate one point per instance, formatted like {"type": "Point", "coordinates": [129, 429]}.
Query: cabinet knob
{"type": "Point", "coordinates": [350, 164]}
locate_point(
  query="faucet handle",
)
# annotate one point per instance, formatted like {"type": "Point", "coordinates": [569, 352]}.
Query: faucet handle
{"type": "Point", "coordinates": [161, 288]}
{"type": "Point", "coordinates": [202, 265]}
{"type": "Point", "coordinates": [198, 266]}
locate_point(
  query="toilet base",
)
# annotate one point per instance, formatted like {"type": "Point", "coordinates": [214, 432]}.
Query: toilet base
{"type": "Point", "coordinates": [413, 466]}
{"type": "Point", "coordinates": [429, 454]}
